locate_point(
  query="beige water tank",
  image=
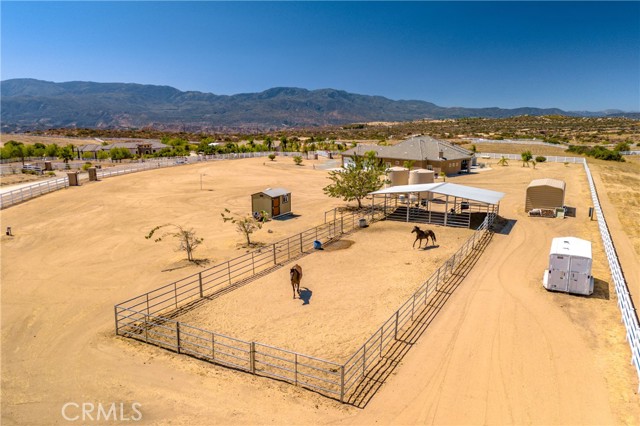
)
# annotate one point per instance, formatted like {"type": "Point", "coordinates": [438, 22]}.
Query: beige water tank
{"type": "Point", "coordinates": [398, 176]}
{"type": "Point", "coordinates": [420, 176]}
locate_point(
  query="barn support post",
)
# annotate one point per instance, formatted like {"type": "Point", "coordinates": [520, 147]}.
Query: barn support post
{"type": "Point", "coordinates": [200, 281]}
{"type": "Point", "coordinates": [446, 210]}
{"type": "Point", "coordinates": [252, 357]}
{"type": "Point", "coordinates": [177, 337]}
{"type": "Point", "coordinates": [408, 204]}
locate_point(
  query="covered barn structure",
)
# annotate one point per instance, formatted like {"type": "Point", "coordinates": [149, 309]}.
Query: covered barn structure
{"type": "Point", "coordinates": [545, 194]}
{"type": "Point", "coordinates": [447, 204]}
{"type": "Point", "coordinates": [275, 201]}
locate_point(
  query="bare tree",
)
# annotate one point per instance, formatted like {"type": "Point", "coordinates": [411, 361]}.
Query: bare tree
{"type": "Point", "coordinates": [187, 238]}
{"type": "Point", "coordinates": [246, 225]}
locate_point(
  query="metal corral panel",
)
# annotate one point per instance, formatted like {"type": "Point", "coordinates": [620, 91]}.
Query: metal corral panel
{"type": "Point", "coordinates": [545, 194]}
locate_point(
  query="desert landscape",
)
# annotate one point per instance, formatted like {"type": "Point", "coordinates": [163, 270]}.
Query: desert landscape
{"type": "Point", "coordinates": [501, 350]}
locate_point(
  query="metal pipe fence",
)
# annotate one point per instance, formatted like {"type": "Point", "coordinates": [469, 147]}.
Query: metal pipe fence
{"type": "Point", "coordinates": [517, 157]}
{"type": "Point", "coordinates": [148, 317]}
{"type": "Point", "coordinates": [625, 304]}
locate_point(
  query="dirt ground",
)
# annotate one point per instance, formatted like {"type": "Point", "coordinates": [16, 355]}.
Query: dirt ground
{"type": "Point", "coordinates": [502, 350]}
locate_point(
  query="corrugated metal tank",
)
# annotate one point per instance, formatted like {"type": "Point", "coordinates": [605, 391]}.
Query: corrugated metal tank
{"type": "Point", "coordinates": [397, 176]}
{"type": "Point", "coordinates": [420, 176]}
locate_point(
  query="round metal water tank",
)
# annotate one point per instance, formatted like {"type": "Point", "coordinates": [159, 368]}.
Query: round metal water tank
{"type": "Point", "coordinates": [398, 176]}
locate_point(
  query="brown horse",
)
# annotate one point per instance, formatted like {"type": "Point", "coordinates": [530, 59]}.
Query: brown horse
{"type": "Point", "coordinates": [423, 235]}
{"type": "Point", "coordinates": [296, 277]}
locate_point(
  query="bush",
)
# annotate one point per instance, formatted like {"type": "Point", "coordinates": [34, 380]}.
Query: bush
{"type": "Point", "coordinates": [540, 159]}
{"type": "Point", "coordinates": [272, 157]}
{"type": "Point", "coordinates": [86, 166]}
{"type": "Point", "coordinates": [297, 159]}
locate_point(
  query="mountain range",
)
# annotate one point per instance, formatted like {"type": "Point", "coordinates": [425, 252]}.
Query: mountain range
{"type": "Point", "coordinates": [29, 104]}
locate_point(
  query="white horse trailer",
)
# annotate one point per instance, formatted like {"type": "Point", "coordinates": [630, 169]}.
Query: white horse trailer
{"type": "Point", "coordinates": [569, 266]}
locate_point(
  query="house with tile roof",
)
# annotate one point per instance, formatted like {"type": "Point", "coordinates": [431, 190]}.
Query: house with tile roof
{"type": "Point", "coordinates": [425, 152]}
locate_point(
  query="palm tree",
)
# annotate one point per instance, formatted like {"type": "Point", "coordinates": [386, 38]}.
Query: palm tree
{"type": "Point", "coordinates": [503, 161]}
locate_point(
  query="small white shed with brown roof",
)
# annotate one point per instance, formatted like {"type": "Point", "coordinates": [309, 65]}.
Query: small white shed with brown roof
{"type": "Point", "coordinates": [545, 194]}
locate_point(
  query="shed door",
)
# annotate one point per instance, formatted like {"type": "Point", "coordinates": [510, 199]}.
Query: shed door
{"type": "Point", "coordinates": [275, 206]}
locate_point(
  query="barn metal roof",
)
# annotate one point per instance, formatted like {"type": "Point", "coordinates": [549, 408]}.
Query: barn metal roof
{"type": "Point", "coordinates": [555, 183]}
{"type": "Point", "coordinates": [274, 192]}
{"type": "Point", "coordinates": [446, 188]}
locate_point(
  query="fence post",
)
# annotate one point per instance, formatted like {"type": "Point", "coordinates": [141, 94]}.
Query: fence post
{"type": "Point", "coordinates": [175, 292]}
{"type": "Point", "coordinates": [341, 224]}
{"type": "Point", "coordinates": [295, 363]}
{"type": "Point", "coordinates": [253, 263]}
{"type": "Point", "coordinates": [364, 359]}
{"type": "Point", "coordinates": [178, 336]}
{"type": "Point", "coordinates": [288, 248]}
{"type": "Point", "coordinates": [252, 357]}
{"type": "Point", "coordinates": [146, 330]}
{"type": "Point", "coordinates": [229, 271]}
{"type": "Point", "coordinates": [395, 333]}
{"type": "Point", "coordinates": [301, 248]}
{"type": "Point", "coordinates": [213, 346]}
{"type": "Point", "coordinates": [115, 313]}
{"type": "Point", "coordinates": [413, 305]}
{"type": "Point", "coordinates": [342, 383]}
{"type": "Point", "coordinates": [200, 283]}
{"type": "Point", "coordinates": [274, 254]}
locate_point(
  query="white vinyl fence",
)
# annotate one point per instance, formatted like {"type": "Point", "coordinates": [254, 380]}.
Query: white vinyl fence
{"type": "Point", "coordinates": [629, 314]}
{"type": "Point", "coordinates": [516, 157]}
{"type": "Point", "coordinates": [19, 195]}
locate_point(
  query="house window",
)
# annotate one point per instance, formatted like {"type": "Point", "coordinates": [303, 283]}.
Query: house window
{"type": "Point", "coordinates": [285, 198]}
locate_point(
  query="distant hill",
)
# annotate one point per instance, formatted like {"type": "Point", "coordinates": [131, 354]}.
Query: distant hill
{"type": "Point", "coordinates": [29, 104]}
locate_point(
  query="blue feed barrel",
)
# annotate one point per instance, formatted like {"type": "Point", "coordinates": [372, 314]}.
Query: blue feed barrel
{"type": "Point", "coordinates": [317, 245]}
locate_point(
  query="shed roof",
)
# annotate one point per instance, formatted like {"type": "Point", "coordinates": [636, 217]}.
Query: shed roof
{"type": "Point", "coordinates": [555, 183]}
{"type": "Point", "coordinates": [445, 188]}
{"type": "Point", "coordinates": [571, 246]}
{"type": "Point", "coordinates": [274, 192]}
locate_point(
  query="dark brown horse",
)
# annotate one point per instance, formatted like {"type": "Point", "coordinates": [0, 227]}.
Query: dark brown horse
{"type": "Point", "coordinates": [296, 277]}
{"type": "Point", "coordinates": [423, 235]}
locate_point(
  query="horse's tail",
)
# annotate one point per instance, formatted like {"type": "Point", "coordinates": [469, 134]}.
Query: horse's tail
{"type": "Point", "coordinates": [433, 235]}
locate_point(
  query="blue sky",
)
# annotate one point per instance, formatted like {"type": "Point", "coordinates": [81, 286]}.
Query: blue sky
{"type": "Point", "coordinates": [570, 55]}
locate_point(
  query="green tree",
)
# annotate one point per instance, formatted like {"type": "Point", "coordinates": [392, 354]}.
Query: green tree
{"type": "Point", "coordinates": [526, 157]}
{"type": "Point", "coordinates": [269, 142]}
{"type": "Point", "coordinates": [66, 153]}
{"type": "Point", "coordinates": [283, 142]}
{"type": "Point", "coordinates": [272, 157]}
{"type": "Point", "coordinates": [246, 225]}
{"type": "Point", "coordinates": [297, 159]}
{"type": "Point", "coordinates": [358, 179]}
{"type": "Point", "coordinates": [103, 155]}
{"type": "Point", "coordinates": [408, 164]}
{"type": "Point", "coordinates": [186, 237]}
{"type": "Point", "coordinates": [51, 150]}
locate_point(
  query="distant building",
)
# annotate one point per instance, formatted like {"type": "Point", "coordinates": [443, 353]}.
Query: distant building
{"type": "Point", "coordinates": [425, 152]}
{"type": "Point", "coordinates": [145, 147]}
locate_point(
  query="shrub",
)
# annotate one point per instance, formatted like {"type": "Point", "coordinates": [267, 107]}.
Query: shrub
{"type": "Point", "coordinates": [86, 166]}
{"type": "Point", "coordinates": [297, 159]}
{"type": "Point", "coordinates": [540, 159]}
{"type": "Point", "coordinates": [272, 157]}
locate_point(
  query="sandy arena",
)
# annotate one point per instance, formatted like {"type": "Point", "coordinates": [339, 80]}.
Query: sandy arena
{"type": "Point", "coordinates": [501, 351]}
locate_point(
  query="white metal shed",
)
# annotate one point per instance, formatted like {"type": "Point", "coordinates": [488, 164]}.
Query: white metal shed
{"type": "Point", "coordinates": [569, 266]}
